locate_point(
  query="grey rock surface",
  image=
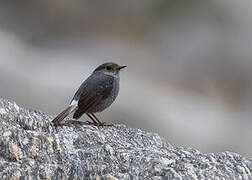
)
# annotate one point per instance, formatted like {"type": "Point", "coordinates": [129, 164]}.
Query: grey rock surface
{"type": "Point", "coordinates": [31, 147]}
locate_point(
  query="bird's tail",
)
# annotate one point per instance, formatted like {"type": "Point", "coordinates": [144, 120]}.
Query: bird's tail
{"type": "Point", "coordinates": [63, 114]}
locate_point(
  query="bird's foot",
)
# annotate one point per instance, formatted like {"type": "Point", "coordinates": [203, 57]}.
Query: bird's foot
{"type": "Point", "coordinates": [102, 124]}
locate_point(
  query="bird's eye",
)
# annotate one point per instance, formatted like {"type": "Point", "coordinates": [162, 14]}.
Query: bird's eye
{"type": "Point", "coordinates": [109, 68]}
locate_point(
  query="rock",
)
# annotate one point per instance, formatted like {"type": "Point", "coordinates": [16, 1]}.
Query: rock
{"type": "Point", "coordinates": [31, 147]}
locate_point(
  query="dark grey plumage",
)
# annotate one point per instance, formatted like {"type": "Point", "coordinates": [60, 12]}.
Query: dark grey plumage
{"type": "Point", "coordinates": [95, 94]}
{"type": "Point", "coordinates": [99, 86]}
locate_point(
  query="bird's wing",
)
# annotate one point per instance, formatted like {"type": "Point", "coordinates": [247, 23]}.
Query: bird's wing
{"type": "Point", "coordinates": [96, 89]}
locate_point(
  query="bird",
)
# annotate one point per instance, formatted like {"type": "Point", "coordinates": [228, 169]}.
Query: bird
{"type": "Point", "coordinates": [94, 95]}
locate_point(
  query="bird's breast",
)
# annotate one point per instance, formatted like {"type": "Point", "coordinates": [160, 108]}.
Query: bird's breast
{"type": "Point", "coordinates": [106, 102]}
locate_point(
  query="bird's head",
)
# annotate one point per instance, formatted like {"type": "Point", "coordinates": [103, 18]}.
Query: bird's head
{"type": "Point", "coordinates": [109, 68]}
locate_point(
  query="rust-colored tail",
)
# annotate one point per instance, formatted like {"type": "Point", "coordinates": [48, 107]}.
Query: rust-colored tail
{"type": "Point", "coordinates": [63, 114]}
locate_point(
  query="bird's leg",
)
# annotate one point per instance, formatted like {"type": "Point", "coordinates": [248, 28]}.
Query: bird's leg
{"type": "Point", "coordinates": [100, 123]}
{"type": "Point", "coordinates": [94, 121]}
{"type": "Point", "coordinates": [96, 118]}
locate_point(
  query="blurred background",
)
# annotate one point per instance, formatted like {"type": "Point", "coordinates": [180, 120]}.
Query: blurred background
{"type": "Point", "coordinates": [189, 63]}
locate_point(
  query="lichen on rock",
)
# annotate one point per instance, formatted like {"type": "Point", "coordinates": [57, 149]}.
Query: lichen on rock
{"type": "Point", "coordinates": [31, 147]}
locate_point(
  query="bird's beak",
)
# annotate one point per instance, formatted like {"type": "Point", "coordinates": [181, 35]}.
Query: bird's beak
{"type": "Point", "coordinates": [121, 67]}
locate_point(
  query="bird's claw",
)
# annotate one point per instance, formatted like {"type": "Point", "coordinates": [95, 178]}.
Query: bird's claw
{"type": "Point", "coordinates": [102, 124]}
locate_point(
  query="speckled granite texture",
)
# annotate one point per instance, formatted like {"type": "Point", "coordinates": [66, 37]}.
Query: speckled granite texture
{"type": "Point", "coordinates": [30, 146]}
